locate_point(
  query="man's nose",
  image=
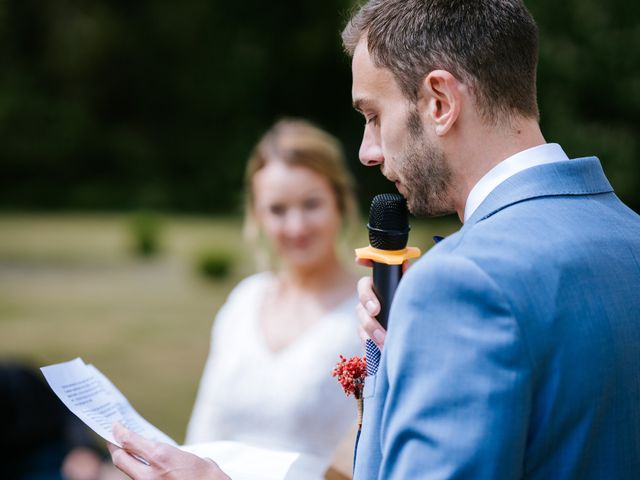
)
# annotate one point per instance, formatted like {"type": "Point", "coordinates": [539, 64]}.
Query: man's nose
{"type": "Point", "coordinates": [370, 150]}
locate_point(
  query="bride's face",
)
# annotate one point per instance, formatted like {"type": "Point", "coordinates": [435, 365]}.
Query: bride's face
{"type": "Point", "coordinates": [297, 209]}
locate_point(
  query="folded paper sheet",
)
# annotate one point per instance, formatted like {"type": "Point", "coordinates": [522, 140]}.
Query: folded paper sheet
{"type": "Point", "coordinates": [97, 402]}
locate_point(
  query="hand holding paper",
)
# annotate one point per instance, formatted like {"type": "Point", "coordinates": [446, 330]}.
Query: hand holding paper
{"type": "Point", "coordinates": [162, 460]}
{"type": "Point", "coordinates": [142, 451]}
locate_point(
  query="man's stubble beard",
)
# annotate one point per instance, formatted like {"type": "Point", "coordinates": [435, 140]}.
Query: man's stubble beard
{"type": "Point", "coordinates": [425, 173]}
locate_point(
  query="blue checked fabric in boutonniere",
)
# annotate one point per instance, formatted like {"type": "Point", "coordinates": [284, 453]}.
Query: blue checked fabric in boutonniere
{"type": "Point", "coordinates": [373, 357]}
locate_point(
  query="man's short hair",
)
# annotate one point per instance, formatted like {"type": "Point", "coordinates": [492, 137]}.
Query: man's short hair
{"type": "Point", "coordinates": [489, 45]}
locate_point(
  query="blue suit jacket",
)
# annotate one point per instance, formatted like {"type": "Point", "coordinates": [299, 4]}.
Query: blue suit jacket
{"type": "Point", "coordinates": [513, 348]}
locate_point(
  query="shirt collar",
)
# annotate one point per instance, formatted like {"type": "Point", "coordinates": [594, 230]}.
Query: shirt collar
{"type": "Point", "coordinates": [539, 155]}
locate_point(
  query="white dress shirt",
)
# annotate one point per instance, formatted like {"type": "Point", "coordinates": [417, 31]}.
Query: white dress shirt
{"type": "Point", "coordinates": [532, 157]}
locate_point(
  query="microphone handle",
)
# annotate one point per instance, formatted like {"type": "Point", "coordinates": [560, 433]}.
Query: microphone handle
{"type": "Point", "coordinates": [385, 282]}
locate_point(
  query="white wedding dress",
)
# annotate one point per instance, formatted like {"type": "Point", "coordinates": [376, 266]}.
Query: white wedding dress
{"type": "Point", "coordinates": [284, 400]}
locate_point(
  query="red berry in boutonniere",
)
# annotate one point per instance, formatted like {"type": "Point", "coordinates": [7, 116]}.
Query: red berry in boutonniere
{"type": "Point", "coordinates": [350, 374]}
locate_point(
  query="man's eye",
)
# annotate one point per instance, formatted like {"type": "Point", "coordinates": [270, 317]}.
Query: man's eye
{"type": "Point", "coordinates": [373, 120]}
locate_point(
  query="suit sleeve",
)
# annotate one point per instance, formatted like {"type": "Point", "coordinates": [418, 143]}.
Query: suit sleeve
{"type": "Point", "coordinates": [459, 378]}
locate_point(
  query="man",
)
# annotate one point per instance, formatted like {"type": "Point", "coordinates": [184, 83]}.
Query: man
{"type": "Point", "coordinates": [513, 348]}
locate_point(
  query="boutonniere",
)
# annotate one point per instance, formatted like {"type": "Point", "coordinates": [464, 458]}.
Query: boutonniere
{"type": "Point", "coordinates": [350, 374]}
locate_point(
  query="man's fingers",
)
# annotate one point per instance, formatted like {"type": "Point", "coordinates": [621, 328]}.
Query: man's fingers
{"type": "Point", "coordinates": [367, 309]}
{"type": "Point", "coordinates": [370, 326]}
{"type": "Point", "coordinates": [164, 461]}
{"type": "Point", "coordinates": [125, 462]}
{"type": "Point", "coordinates": [367, 297]}
{"type": "Point", "coordinates": [363, 262]}
{"type": "Point", "coordinates": [134, 443]}
{"type": "Point", "coordinates": [364, 336]}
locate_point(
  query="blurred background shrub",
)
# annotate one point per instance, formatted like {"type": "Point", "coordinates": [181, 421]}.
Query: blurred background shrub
{"type": "Point", "coordinates": [215, 264]}
{"type": "Point", "coordinates": [145, 230]}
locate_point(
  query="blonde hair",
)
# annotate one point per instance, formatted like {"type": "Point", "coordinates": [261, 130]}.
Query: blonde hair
{"type": "Point", "coordinates": [297, 142]}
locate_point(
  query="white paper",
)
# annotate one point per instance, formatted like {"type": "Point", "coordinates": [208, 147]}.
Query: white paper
{"type": "Point", "coordinates": [247, 462]}
{"type": "Point", "coordinates": [96, 401]}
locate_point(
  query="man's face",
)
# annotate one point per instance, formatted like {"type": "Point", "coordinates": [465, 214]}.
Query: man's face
{"type": "Point", "coordinates": [395, 138]}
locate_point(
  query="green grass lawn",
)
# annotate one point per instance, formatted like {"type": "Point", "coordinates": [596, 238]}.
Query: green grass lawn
{"type": "Point", "coordinates": [70, 285]}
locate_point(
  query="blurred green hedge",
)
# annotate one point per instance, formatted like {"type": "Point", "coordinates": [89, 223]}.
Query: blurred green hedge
{"type": "Point", "coordinates": [156, 104]}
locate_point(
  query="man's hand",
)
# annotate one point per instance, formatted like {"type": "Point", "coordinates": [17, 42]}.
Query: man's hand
{"type": "Point", "coordinates": [164, 461]}
{"type": "Point", "coordinates": [369, 307]}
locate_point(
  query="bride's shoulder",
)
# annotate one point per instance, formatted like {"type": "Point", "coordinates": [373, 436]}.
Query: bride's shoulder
{"type": "Point", "coordinates": [251, 285]}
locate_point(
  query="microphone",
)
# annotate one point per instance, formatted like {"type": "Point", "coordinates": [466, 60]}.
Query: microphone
{"type": "Point", "coordinates": [388, 236]}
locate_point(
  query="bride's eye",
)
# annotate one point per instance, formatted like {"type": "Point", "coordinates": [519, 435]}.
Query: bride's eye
{"type": "Point", "coordinates": [277, 209]}
{"type": "Point", "coordinates": [312, 203]}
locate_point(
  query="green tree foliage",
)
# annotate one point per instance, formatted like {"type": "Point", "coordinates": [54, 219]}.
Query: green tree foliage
{"type": "Point", "coordinates": [589, 83]}
{"type": "Point", "coordinates": [157, 103]}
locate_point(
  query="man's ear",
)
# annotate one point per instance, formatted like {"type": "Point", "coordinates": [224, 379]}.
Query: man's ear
{"type": "Point", "coordinates": [440, 99]}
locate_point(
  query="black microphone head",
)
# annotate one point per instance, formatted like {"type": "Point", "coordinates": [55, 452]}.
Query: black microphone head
{"type": "Point", "coordinates": [388, 222]}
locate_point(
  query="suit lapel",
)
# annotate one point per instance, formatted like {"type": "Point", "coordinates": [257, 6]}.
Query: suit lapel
{"type": "Point", "coordinates": [581, 176]}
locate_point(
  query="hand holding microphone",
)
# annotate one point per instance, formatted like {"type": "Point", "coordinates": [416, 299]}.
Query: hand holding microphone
{"type": "Point", "coordinates": [367, 309]}
{"type": "Point", "coordinates": [387, 254]}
